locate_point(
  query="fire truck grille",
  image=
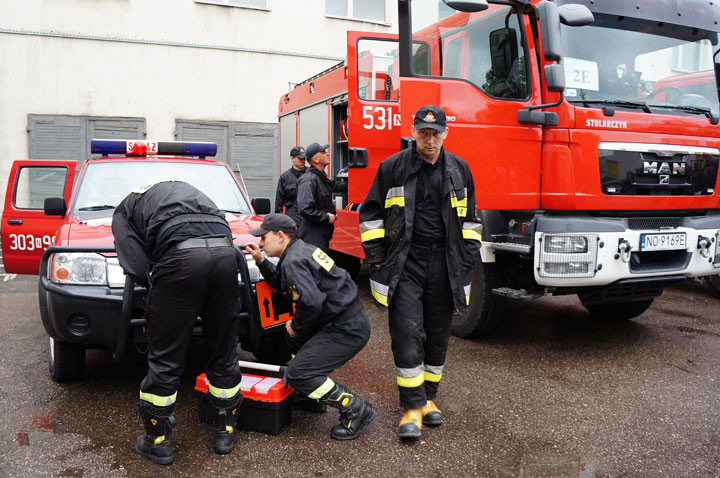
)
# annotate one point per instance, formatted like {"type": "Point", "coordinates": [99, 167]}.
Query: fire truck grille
{"type": "Point", "coordinates": [641, 223]}
{"type": "Point", "coordinates": [649, 170]}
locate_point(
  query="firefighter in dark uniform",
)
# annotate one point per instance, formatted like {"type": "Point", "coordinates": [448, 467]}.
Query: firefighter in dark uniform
{"type": "Point", "coordinates": [172, 238]}
{"type": "Point", "coordinates": [286, 196]}
{"type": "Point", "coordinates": [329, 327]}
{"type": "Point", "coordinates": [419, 234]}
{"type": "Point", "coordinates": [315, 201]}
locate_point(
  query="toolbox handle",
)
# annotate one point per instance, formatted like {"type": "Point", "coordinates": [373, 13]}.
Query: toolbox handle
{"type": "Point", "coordinates": [267, 367]}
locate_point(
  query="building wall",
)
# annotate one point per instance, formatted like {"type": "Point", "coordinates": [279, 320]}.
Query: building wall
{"type": "Point", "coordinates": [161, 60]}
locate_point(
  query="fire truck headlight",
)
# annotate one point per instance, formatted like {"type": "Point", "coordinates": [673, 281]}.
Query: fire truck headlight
{"type": "Point", "coordinates": [558, 244]}
{"type": "Point", "coordinates": [568, 255]}
{"type": "Point", "coordinates": [255, 274]}
{"type": "Point", "coordinates": [716, 262]}
{"type": "Point", "coordinates": [79, 269]}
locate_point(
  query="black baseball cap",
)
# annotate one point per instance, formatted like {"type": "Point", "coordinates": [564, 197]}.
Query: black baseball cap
{"type": "Point", "coordinates": [430, 116]}
{"type": "Point", "coordinates": [314, 149]}
{"type": "Point", "coordinates": [275, 222]}
{"type": "Point", "coordinates": [298, 152]}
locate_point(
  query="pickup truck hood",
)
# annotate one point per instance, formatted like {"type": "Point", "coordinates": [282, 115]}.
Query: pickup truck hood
{"type": "Point", "coordinates": [98, 232]}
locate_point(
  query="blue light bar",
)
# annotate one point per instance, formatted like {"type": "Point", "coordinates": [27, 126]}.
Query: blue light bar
{"type": "Point", "coordinates": [149, 148]}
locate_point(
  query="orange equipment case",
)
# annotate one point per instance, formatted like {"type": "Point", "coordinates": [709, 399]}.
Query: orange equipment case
{"type": "Point", "coordinates": [266, 407]}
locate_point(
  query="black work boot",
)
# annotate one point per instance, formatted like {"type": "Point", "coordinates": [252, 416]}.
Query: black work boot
{"type": "Point", "coordinates": [224, 420]}
{"type": "Point", "coordinates": [355, 412]}
{"type": "Point", "coordinates": [155, 443]}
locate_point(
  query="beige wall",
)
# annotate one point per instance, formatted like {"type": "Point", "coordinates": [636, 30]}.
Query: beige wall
{"type": "Point", "coordinates": [161, 83]}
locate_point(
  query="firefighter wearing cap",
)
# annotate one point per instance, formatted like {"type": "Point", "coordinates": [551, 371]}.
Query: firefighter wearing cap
{"type": "Point", "coordinates": [314, 198]}
{"type": "Point", "coordinates": [286, 196]}
{"type": "Point", "coordinates": [172, 238]}
{"type": "Point", "coordinates": [329, 327]}
{"type": "Point", "coordinates": [420, 236]}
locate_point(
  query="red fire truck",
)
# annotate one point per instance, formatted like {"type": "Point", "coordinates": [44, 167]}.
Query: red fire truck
{"type": "Point", "coordinates": [591, 177]}
{"type": "Point", "coordinates": [60, 228]}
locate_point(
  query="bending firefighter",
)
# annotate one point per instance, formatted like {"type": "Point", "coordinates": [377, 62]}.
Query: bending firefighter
{"type": "Point", "coordinates": [329, 327]}
{"type": "Point", "coordinates": [419, 234]}
{"type": "Point", "coordinates": [173, 239]}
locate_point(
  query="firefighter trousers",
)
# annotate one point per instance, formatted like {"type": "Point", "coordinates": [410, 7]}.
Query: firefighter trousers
{"type": "Point", "coordinates": [327, 350]}
{"type": "Point", "coordinates": [420, 315]}
{"type": "Point", "coordinates": [186, 284]}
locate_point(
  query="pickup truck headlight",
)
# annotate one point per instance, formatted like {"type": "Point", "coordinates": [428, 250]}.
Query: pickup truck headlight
{"type": "Point", "coordinates": [79, 268]}
{"type": "Point", "coordinates": [717, 250]}
{"type": "Point", "coordinates": [255, 275]}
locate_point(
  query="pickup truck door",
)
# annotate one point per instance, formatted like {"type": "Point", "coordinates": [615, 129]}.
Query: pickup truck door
{"type": "Point", "coordinates": [26, 231]}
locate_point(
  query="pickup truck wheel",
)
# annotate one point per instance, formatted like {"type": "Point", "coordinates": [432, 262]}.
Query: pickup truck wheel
{"type": "Point", "coordinates": [715, 284]}
{"type": "Point", "coordinates": [485, 309]}
{"type": "Point", "coordinates": [272, 349]}
{"type": "Point", "coordinates": [619, 311]}
{"type": "Point", "coordinates": [67, 361]}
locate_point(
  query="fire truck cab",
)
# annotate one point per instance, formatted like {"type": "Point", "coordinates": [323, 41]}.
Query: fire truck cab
{"type": "Point", "coordinates": [591, 178]}
{"type": "Point", "coordinates": [57, 224]}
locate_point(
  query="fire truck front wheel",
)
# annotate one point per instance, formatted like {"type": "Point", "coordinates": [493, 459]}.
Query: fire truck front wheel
{"type": "Point", "coordinates": [67, 361]}
{"type": "Point", "coordinates": [485, 309]}
{"type": "Point", "coordinates": [618, 311]}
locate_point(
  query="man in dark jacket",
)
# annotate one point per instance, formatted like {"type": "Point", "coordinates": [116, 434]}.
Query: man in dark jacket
{"type": "Point", "coordinates": [418, 230]}
{"type": "Point", "coordinates": [315, 201]}
{"type": "Point", "coordinates": [329, 327]}
{"type": "Point", "coordinates": [172, 237]}
{"type": "Point", "coordinates": [286, 196]}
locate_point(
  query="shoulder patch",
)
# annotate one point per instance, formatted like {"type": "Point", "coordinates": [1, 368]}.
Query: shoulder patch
{"type": "Point", "coordinates": [143, 189]}
{"type": "Point", "coordinates": [295, 293]}
{"type": "Point", "coordinates": [323, 259]}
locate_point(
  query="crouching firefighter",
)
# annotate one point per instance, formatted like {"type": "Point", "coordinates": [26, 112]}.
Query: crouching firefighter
{"type": "Point", "coordinates": [172, 238]}
{"type": "Point", "coordinates": [329, 327]}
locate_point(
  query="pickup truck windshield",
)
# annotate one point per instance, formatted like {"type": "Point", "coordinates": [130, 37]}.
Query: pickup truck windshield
{"type": "Point", "coordinates": [643, 63]}
{"type": "Point", "coordinates": [104, 185]}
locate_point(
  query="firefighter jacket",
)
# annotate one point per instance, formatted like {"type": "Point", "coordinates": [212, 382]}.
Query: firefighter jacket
{"type": "Point", "coordinates": [387, 217]}
{"type": "Point", "coordinates": [321, 291]}
{"type": "Point", "coordinates": [142, 223]}
{"type": "Point", "coordinates": [314, 196]}
{"type": "Point", "coordinates": [287, 193]}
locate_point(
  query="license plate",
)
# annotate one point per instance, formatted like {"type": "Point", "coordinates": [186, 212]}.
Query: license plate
{"type": "Point", "coordinates": [663, 242]}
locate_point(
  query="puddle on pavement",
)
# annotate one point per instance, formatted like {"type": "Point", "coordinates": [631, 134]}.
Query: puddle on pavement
{"type": "Point", "coordinates": [559, 466]}
{"type": "Point", "coordinates": [41, 428]}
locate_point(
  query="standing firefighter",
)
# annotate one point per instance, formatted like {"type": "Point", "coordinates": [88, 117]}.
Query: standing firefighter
{"type": "Point", "coordinates": [329, 327]}
{"type": "Point", "coordinates": [172, 238]}
{"type": "Point", "coordinates": [419, 234]}
{"type": "Point", "coordinates": [314, 198]}
{"type": "Point", "coordinates": [286, 196]}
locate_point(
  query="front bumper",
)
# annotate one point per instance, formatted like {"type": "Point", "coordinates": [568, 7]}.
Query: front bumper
{"type": "Point", "coordinates": [614, 253]}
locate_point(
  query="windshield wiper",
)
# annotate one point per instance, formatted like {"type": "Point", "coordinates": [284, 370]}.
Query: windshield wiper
{"type": "Point", "coordinates": [621, 103]}
{"type": "Point", "coordinates": [101, 207]}
{"type": "Point", "coordinates": [693, 109]}
{"type": "Point", "coordinates": [233, 212]}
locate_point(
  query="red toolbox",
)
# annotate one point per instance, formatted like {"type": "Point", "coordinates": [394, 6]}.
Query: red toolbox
{"type": "Point", "coordinates": [266, 406]}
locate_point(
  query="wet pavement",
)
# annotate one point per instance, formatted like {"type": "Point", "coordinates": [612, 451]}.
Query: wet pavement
{"type": "Point", "coordinates": [551, 393]}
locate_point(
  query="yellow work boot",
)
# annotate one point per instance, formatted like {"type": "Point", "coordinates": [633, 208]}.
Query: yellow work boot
{"type": "Point", "coordinates": [431, 415]}
{"type": "Point", "coordinates": [410, 423]}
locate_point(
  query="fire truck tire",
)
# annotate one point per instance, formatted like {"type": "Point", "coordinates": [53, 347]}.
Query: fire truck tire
{"type": "Point", "coordinates": [67, 361]}
{"type": "Point", "coordinates": [485, 309]}
{"type": "Point", "coordinates": [715, 284]}
{"type": "Point", "coordinates": [272, 349]}
{"type": "Point", "coordinates": [619, 311]}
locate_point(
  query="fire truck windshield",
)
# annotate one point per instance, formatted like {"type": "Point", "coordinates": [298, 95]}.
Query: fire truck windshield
{"type": "Point", "coordinates": [104, 184]}
{"type": "Point", "coordinates": [651, 66]}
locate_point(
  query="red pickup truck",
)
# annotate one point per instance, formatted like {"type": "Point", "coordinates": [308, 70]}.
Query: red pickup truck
{"type": "Point", "coordinates": [56, 223]}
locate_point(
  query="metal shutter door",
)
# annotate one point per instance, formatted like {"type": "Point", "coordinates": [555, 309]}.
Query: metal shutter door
{"type": "Point", "coordinates": [205, 132]}
{"type": "Point", "coordinates": [254, 155]}
{"type": "Point", "coordinates": [57, 137]}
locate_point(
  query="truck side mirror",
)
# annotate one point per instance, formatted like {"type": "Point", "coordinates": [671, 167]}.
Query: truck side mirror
{"type": "Point", "coordinates": [468, 6]}
{"type": "Point", "coordinates": [357, 158]}
{"type": "Point", "coordinates": [575, 15]}
{"type": "Point", "coordinates": [261, 205]}
{"type": "Point", "coordinates": [503, 51]}
{"type": "Point", "coordinates": [555, 77]}
{"type": "Point", "coordinates": [55, 207]}
{"type": "Point", "coordinates": [549, 19]}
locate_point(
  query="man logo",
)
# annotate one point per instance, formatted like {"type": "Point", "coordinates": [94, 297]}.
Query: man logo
{"type": "Point", "coordinates": [664, 179]}
{"type": "Point", "coordinates": [664, 168]}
